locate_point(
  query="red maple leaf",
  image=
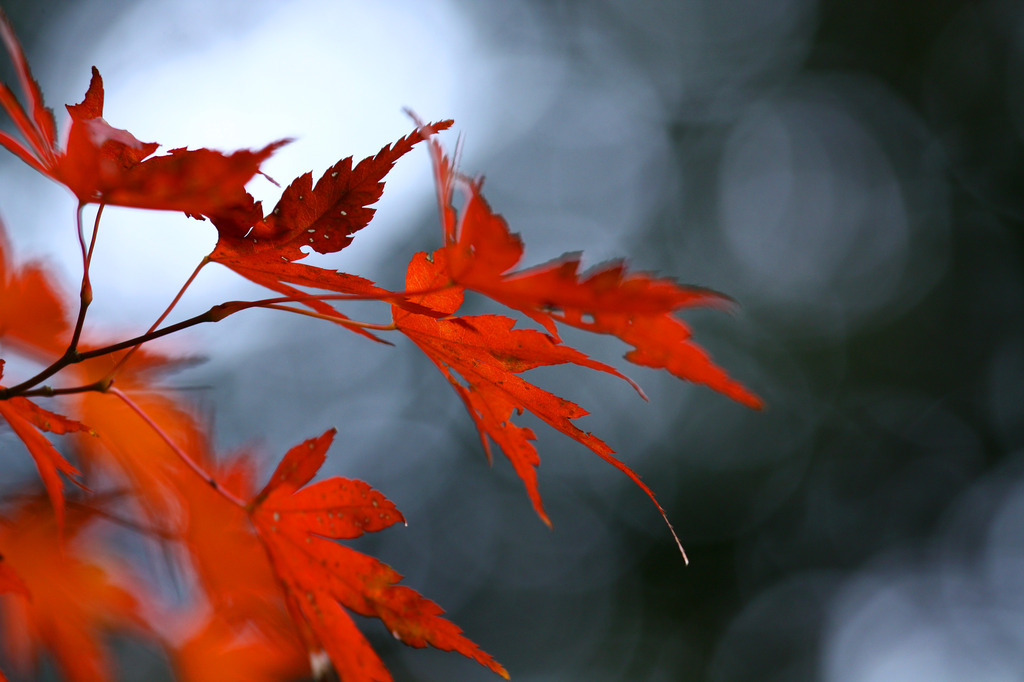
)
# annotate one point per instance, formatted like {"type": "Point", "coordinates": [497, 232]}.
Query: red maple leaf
{"type": "Point", "coordinates": [322, 578]}
{"type": "Point", "coordinates": [107, 165]}
{"type": "Point", "coordinates": [139, 443]}
{"type": "Point", "coordinates": [324, 218]}
{"type": "Point", "coordinates": [636, 307]}
{"type": "Point", "coordinates": [482, 357]}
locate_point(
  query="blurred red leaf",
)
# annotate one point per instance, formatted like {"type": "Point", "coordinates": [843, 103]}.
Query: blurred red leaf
{"type": "Point", "coordinates": [32, 314]}
{"type": "Point", "coordinates": [73, 595]}
{"type": "Point", "coordinates": [222, 651]}
{"type": "Point", "coordinates": [10, 581]}
{"type": "Point", "coordinates": [26, 419]}
{"type": "Point", "coordinates": [39, 129]}
{"type": "Point", "coordinates": [123, 445]}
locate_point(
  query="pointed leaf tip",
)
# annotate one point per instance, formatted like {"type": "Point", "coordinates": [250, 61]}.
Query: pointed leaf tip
{"type": "Point", "coordinates": [91, 105]}
{"type": "Point", "coordinates": [298, 466]}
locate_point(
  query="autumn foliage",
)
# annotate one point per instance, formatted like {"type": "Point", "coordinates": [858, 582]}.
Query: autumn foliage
{"type": "Point", "coordinates": [275, 583]}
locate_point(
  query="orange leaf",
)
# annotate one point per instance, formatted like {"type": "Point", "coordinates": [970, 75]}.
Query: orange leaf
{"type": "Point", "coordinates": [45, 420]}
{"type": "Point", "coordinates": [39, 129]}
{"type": "Point", "coordinates": [232, 568]}
{"type": "Point", "coordinates": [322, 578]}
{"type": "Point", "coordinates": [124, 444]}
{"type": "Point", "coordinates": [10, 581]}
{"type": "Point", "coordinates": [481, 357]}
{"type": "Point", "coordinates": [231, 565]}
{"type": "Point", "coordinates": [248, 634]}
{"type": "Point", "coordinates": [32, 316]}
{"type": "Point", "coordinates": [25, 419]}
{"type": "Point", "coordinates": [219, 651]}
{"type": "Point", "coordinates": [73, 599]}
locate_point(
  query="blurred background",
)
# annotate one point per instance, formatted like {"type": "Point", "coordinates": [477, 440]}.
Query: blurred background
{"type": "Point", "coordinates": [851, 173]}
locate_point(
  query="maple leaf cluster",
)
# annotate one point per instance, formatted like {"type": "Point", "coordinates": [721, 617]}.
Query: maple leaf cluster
{"type": "Point", "coordinates": [274, 587]}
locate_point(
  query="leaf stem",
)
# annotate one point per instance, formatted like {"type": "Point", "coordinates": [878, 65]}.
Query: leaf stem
{"type": "Point", "coordinates": [395, 297]}
{"type": "Point", "coordinates": [85, 296]}
{"type": "Point", "coordinates": [182, 455]}
{"type": "Point", "coordinates": [163, 316]}
{"type": "Point", "coordinates": [70, 355]}
{"type": "Point", "coordinates": [74, 357]}
{"type": "Point", "coordinates": [339, 320]}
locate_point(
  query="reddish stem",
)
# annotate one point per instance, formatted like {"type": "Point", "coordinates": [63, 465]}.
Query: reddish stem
{"type": "Point", "coordinates": [191, 463]}
{"type": "Point", "coordinates": [338, 320]}
{"type": "Point", "coordinates": [86, 291]}
{"type": "Point", "coordinates": [167, 311]}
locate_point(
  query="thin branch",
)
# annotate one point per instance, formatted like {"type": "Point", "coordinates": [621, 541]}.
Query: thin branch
{"type": "Point", "coordinates": [214, 314]}
{"type": "Point", "coordinates": [20, 389]}
{"type": "Point", "coordinates": [76, 357]}
{"type": "Point", "coordinates": [209, 316]}
{"type": "Point", "coordinates": [48, 392]}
